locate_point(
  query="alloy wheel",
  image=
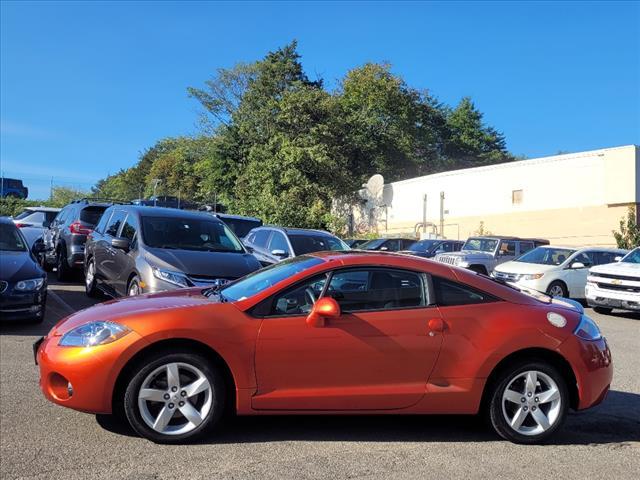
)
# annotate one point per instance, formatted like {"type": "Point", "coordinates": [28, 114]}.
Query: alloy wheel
{"type": "Point", "coordinates": [175, 398]}
{"type": "Point", "coordinates": [134, 289]}
{"type": "Point", "coordinates": [90, 275]}
{"type": "Point", "coordinates": [556, 291]}
{"type": "Point", "coordinates": [531, 403]}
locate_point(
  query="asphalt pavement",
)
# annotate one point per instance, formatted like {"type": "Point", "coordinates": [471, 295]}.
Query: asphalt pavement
{"type": "Point", "coordinates": [41, 440]}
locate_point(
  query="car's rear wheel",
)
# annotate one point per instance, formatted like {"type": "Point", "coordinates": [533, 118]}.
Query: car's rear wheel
{"type": "Point", "coordinates": [62, 266]}
{"type": "Point", "coordinates": [558, 289]}
{"type": "Point", "coordinates": [603, 310]}
{"type": "Point", "coordinates": [90, 280]}
{"type": "Point", "coordinates": [528, 402]}
{"type": "Point", "coordinates": [175, 398]}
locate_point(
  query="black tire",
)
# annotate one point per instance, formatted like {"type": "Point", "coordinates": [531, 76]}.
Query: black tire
{"type": "Point", "coordinates": [90, 287]}
{"type": "Point", "coordinates": [494, 406]}
{"type": "Point", "coordinates": [603, 310]}
{"type": "Point", "coordinates": [157, 361]}
{"type": "Point", "coordinates": [134, 282]}
{"type": "Point", "coordinates": [39, 318]}
{"type": "Point", "coordinates": [556, 286]}
{"type": "Point", "coordinates": [479, 269]}
{"type": "Point", "coordinates": [62, 266]}
{"type": "Point", "coordinates": [42, 261]}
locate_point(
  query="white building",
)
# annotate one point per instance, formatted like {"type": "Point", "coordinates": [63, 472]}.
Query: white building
{"type": "Point", "coordinates": [572, 199]}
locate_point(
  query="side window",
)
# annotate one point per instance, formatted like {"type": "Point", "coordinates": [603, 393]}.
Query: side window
{"type": "Point", "coordinates": [406, 244]}
{"type": "Point", "coordinates": [114, 223]}
{"type": "Point", "coordinates": [62, 215]}
{"type": "Point", "coordinates": [508, 248]}
{"type": "Point", "coordinates": [261, 237]}
{"type": "Point", "coordinates": [49, 216]}
{"type": "Point", "coordinates": [392, 245]}
{"type": "Point", "coordinates": [300, 299]}
{"type": "Point", "coordinates": [525, 247]}
{"type": "Point", "coordinates": [102, 224]}
{"type": "Point", "coordinates": [603, 258]}
{"type": "Point", "coordinates": [278, 242]}
{"type": "Point", "coordinates": [250, 238]}
{"type": "Point", "coordinates": [129, 230]}
{"type": "Point", "coordinates": [449, 293]}
{"type": "Point", "coordinates": [585, 258]}
{"type": "Point", "coordinates": [377, 289]}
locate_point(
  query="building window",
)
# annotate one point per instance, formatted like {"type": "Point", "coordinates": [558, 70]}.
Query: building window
{"type": "Point", "coordinates": [516, 197]}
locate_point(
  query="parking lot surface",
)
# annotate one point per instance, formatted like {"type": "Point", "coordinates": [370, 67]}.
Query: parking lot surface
{"type": "Point", "coordinates": [41, 440]}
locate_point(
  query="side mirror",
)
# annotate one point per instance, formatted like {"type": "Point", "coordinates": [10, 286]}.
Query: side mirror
{"type": "Point", "coordinates": [384, 249]}
{"type": "Point", "coordinates": [617, 259]}
{"type": "Point", "coordinates": [577, 265]}
{"type": "Point", "coordinates": [121, 243]}
{"type": "Point", "coordinates": [279, 253]}
{"type": "Point", "coordinates": [325, 307]}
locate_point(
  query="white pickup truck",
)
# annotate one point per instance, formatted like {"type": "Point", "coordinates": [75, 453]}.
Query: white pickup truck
{"type": "Point", "coordinates": [615, 285]}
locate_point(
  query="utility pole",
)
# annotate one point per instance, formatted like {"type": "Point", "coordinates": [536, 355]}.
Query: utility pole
{"type": "Point", "coordinates": [51, 190]}
{"type": "Point", "coordinates": [442, 214]}
{"type": "Point", "coordinates": [156, 181]}
{"type": "Point", "coordinates": [424, 214]}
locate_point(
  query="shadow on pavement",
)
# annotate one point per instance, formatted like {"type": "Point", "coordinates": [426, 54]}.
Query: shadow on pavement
{"type": "Point", "coordinates": [615, 421]}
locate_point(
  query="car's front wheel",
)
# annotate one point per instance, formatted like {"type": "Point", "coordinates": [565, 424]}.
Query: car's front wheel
{"type": "Point", "coordinates": [528, 402]}
{"type": "Point", "coordinates": [175, 398]}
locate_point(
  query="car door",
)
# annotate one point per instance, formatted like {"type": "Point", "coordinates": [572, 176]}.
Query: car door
{"type": "Point", "coordinates": [124, 261]}
{"type": "Point", "coordinates": [259, 246]}
{"type": "Point", "coordinates": [278, 243]}
{"type": "Point", "coordinates": [377, 355]}
{"type": "Point", "coordinates": [97, 244]}
{"type": "Point", "coordinates": [576, 278]}
{"type": "Point", "coordinates": [107, 260]}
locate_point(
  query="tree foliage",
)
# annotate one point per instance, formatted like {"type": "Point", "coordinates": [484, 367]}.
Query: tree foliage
{"type": "Point", "coordinates": [629, 235]}
{"type": "Point", "coordinates": [279, 145]}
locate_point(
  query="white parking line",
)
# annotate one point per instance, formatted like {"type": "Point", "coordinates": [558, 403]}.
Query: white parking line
{"type": "Point", "coordinates": [65, 305]}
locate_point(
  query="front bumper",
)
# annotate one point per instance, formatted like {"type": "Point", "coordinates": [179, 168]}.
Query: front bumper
{"type": "Point", "coordinates": [83, 378]}
{"type": "Point", "coordinates": [592, 367]}
{"type": "Point", "coordinates": [23, 306]}
{"type": "Point", "coordinates": [600, 297]}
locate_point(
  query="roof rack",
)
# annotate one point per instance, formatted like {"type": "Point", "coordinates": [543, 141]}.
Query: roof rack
{"type": "Point", "coordinates": [99, 200]}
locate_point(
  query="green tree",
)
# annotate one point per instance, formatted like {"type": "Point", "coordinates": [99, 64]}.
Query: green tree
{"type": "Point", "coordinates": [629, 235]}
{"type": "Point", "coordinates": [60, 196]}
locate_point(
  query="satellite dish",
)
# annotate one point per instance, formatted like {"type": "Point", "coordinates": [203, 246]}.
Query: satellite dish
{"type": "Point", "coordinates": [375, 187]}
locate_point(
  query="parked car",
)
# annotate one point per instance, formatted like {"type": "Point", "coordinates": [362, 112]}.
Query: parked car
{"type": "Point", "coordinates": [65, 238]}
{"type": "Point", "coordinates": [388, 244]}
{"type": "Point", "coordinates": [355, 242]}
{"type": "Point", "coordinates": [326, 333]}
{"type": "Point", "coordinates": [23, 284]}
{"type": "Point", "coordinates": [483, 254]}
{"type": "Point", "coordinates": [136, 250]}
{"type": "Point", "coordinates": [166, 201]}
{"type": "Point", "coordinates": [429, 248]}
{"type": "Point", "coordinates": [615, 285]}
{"type": "Point", "coordinates": [240, 225]}
{"type": "Point", "coordinates": [12, 188]}
{"type": "Point", "coordinates": [273, 244]}
{"type": "Point", "coordinates": [557, 271]}
{"type": "Point", "coordinates": [34, 220]}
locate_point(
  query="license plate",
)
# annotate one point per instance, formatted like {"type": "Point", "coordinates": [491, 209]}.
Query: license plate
{"type": "Point", "coordinates": [36, 346]}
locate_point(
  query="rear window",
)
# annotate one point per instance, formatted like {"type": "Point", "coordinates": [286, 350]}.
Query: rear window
{"type": "Point", "coordinates": [240, 226]}
{"type": "Point", "coordinates": [91, 215]}
{"type": "Point", "coordinates": [23, 214]}
{"type": "Point", "coordinates": [315, 243]}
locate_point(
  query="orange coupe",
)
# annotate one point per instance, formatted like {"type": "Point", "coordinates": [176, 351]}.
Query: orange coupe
{"type": "Point", "coordinates": [331, 333]}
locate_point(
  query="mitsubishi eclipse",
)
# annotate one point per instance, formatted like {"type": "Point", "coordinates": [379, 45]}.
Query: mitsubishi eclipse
{"type": "Point", "coordinates": [331, 333]}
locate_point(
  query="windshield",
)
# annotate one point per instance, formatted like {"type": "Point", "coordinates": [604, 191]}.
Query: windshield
{"type": "Point", "coordinates": [189, 234]}
{"type": "Point", "coordinates": [480, 244]}
{"type": "Point", "coordinates": [372, 244]}
{"type": "Point", "coordinates": [91, 215]}
{"type": "Point", "coordinates": [632, 257]}
{"type": "Point", "coordinates": [258, 281]}
{"type": "Point", "coordinates": [240, 226]}
{"type": "Point", "coordinates": [23, 214]}
{"type": "Point", "coordinates": [424, 245]}
{"type": "Point", "coordinates": [10, 239]}
{"type": "Point", "coordinates": [546, 256]}
{"type": "Point", "coordinates": [315, 243]}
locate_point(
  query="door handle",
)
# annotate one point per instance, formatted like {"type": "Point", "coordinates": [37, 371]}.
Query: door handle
{"type": "Point", "coordinates": [435, 325]}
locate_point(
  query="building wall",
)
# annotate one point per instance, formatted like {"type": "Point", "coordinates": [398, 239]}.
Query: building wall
{"type": "Point", "coordinates": [573, 199]}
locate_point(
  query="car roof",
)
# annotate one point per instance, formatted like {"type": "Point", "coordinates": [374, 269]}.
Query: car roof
{"type": "Point", "coordinates": [297, 231]}
{"type": "Point", "coordinates": [236, 217]}
{"type": "Point", "coordinates": [6, 220]}
{"type": "Point", "coordinates": [42, 209]}
{"type": "Point", "coordinates": [149, 211]}
{"type": "Point", "coordinates": [580, 249]}
{"type": "Point", "coordinates": [509, 237]}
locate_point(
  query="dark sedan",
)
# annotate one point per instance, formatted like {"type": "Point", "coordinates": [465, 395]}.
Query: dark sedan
{"type": "Point", "coordinates": [23, 284]}
{"type": "Point", "coordinates": [429, 248]}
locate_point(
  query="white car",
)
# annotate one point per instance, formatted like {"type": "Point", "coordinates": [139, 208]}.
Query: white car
{"type": "Point", "coordinates": [33, 220]}
{"type": "Point", "coordinates": [557, 271]}
{"type": "Point", "coordinates": [615, 285]}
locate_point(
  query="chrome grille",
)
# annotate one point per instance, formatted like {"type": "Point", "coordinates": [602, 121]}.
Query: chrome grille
{"type": "Point", "coordinates": [507, 277]}
{"type": "Point", "coordinates": [448, 259]}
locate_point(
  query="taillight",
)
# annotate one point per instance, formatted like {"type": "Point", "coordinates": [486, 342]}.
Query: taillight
{"type": "Point", "coordinates": [22, 225]}
{"type": "Point", "coordinates": [77, 227]}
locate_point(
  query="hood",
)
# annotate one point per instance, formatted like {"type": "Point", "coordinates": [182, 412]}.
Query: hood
{"type": "Point", "coordinates": [523, 268]}
{"type": "Point", "coordinates": [626, 269]}
{"type": "Point", "coordinates": [207, 264]}
{"type": "Point", "coordinates": [416, 254]}
{"type": "Point", "coordinates": [15, 266]}
{"type": "Point", "coordinates": [141, 305]}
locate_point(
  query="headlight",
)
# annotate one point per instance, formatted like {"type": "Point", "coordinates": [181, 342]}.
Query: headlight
{"type": "Point", "coordinates": [587, 329]}
{"type": "Point", "coordinates": [30, 285]}
{"type": "Point", "coordinates": [177, 278]}
{"type": "Point", "coordinates": [533, 276]}
{"type": "Point", "coordinates": [92, 334]}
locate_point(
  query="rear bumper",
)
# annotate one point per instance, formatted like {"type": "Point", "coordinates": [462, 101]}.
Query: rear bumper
{"type": "Point", "coordinates": [592, 367]}
{"type": "Point", "coordinates": [600, 297]}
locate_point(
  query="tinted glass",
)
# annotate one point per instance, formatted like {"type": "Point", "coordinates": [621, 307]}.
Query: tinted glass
{"type": "Point", "coordinates": [23, 214]}
{"type": "Point", "coordinates": [450, 293]}
{"type": "Point", "coordinates": [632, 257]}
{"type": "Point", "coordinates": [372, 244]}
{"type": "Point", "coordinates": [278, 242]}
{"type": "Point", "coordinates": [508, 248]}
{"type": "Point", "coordinates": [260, 238]}
{"type": "Point", "coordinates": [315, 243]}
{"type": "Point", "coordinates": [129, 229]}
{"type": "Point", "coordinates": [240, 226]}
{"type": "Point", "coordinates": [91, 215]}
{"type": "Point", "coordinates": [525, 247]}
{"type": "Point", "coordinates": [102, 224]}
{"type": "Point", "coordinates": [546, 256]}
{"type": "Point", "coordinates": [260, 280]}
{"type": "Point", "coordinates": [424, 245]}
{"type": "Point", "coordinates": [480, 244]}
{"type": "Point", "coordinates": [603, 258]}
{"type": "Point", "coordinates": [31, 217]}
{"type": "Point", "coordinates": [189, 234]}
{"type": "Point", "coordinates": [50, 216]}
{"type": "Point", "coordinates": [300, 299]}
{"type": "Point", "coordinates": [376, 289]}
{"type": "Point", "coordinates": [586, 258]}
{"type": "Point", "coordinates": [10, 239]}
{"type": "Point", "coordinates": [114, 222]}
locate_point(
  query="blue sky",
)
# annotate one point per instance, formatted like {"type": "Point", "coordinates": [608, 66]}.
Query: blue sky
{"type": "Point", "coordinates": [86, 87]}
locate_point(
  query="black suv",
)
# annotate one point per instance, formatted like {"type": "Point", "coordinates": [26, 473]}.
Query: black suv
{"type": "Point", "coordinates": [387, 244]}
{"type": "Point", "coordinates": [273, 244]}
{"type": "Point", "coordinates": [65, 238]}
